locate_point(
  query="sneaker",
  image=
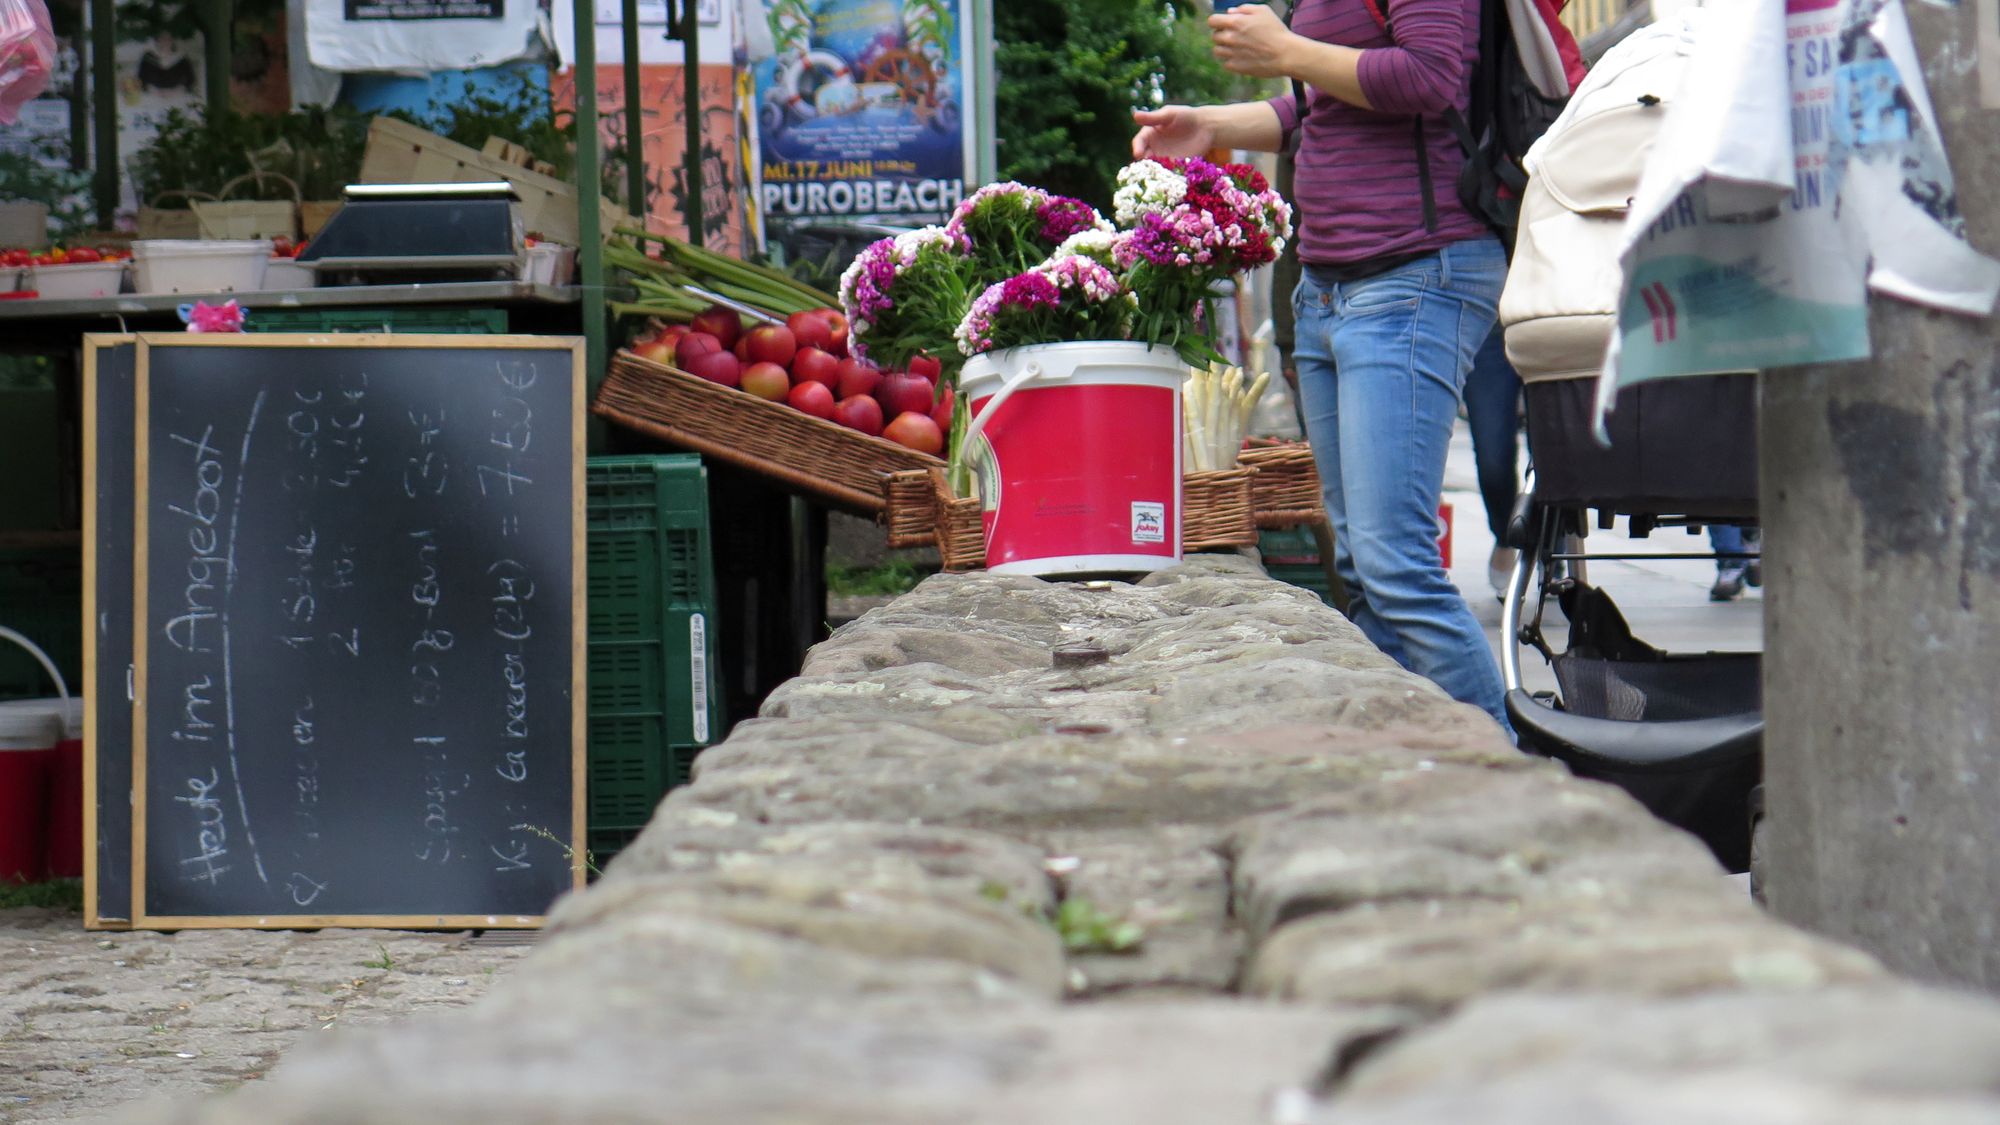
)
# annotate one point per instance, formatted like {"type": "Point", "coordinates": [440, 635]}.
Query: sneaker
{"type": "Point", "coordinates": [1728, 583]}
{"type": "Point", "coordinates": [1500, 570]}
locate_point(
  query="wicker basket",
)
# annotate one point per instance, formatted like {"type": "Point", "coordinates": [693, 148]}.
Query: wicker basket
{"type": "Point", "coordinates": [840, 466]}
{"type": "Point", "coordinates": [961, 527]}
{"type": "Point", "coordinates": [1285, 491]}
{"type": "Point", "coordinates": [909, 508]}
{"type": "Point", "coordinates": [1216, 511]}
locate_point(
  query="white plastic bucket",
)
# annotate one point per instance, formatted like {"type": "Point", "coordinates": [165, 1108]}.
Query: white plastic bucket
{"type": "Point", "coordinates": [284, 273]}
{"type": "Point", "coordinates": [1077, 450]}
{"type": "Point", "coordinates": [77, 279]}
{"type": "Point", "coordinates": [207, 266]}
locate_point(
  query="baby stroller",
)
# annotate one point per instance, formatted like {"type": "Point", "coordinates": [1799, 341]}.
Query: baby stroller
{"type": "Point", "coordinates": [1682, 733]}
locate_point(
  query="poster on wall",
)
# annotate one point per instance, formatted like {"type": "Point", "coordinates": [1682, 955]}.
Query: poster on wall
{"type": "Point", "coordinates": [662, 126]}
{"type": "Point", "coordinates": [861, 113]}
{"type": "Point", "coordinates": [1801, 170]}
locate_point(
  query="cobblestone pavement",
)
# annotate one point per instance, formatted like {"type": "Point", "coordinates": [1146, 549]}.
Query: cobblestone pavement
{"type": "Point", "coordinates": [92, 1021]}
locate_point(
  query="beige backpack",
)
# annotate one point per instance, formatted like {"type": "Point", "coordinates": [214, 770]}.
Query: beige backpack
{"type": "Point", "coordinates": [1561, 298]}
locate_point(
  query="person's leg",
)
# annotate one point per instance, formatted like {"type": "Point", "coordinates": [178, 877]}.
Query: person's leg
{"type": "Point", "coordinates": [1493, 413]}
{"type": "Point", "coordinates": [1726, 539]}
{"type": "Point", "coordinates": [1312, 356]}
{"type": "Point", "coordinates": [1403, 343]}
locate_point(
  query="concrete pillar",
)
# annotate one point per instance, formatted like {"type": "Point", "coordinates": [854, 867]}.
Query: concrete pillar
{"type": "Point", "coordinates": [1881, 504]}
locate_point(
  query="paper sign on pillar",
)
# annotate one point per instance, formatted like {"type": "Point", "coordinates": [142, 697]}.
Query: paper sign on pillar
{"type": "Point", "coordinates": [1799, 168]}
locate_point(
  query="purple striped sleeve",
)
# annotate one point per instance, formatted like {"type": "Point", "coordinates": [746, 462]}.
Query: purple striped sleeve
{"type": "Point", "coordinates": [1425, 71]}
{"type": "Point", "coordinates": [1288, 117]}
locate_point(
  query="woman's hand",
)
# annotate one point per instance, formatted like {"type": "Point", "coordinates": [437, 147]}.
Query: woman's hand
{"type": "Point", "coordinates": [1252, 40]}
{"type": "Point", "coordinates": [1173, 130]}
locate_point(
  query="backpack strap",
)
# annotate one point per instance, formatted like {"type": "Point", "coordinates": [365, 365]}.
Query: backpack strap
{"type": "Point", "coordinates": [1298, 89]}
{"type": "Point", "coordinates": [1418, 140]}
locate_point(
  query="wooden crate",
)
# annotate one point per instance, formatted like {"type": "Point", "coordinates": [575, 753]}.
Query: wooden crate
{"type": "Point", "coordinates": [401, 153]}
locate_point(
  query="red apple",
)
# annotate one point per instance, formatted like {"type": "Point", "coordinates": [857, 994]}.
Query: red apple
{"type": "Point", "coordinates": [904, 393]}
{"type": "Point", "coordinates": [772, 343]}
{"type": "Point", "coordinates": [836, 323]}
{"type": "Point", "coordinates": [721, 323]}
{"type": "Point", "coordinates": [915, 431]}
{"type": "Point", "coordinates": [859, 412]}
{"type": "Point", "coordinates": [854, 377]}
{"type": "Point", "coordinates": [716, 367]}
{"type": "Point", "coordinates": [742, 350]}
{"type": "Point", "coordinates": [811, 329]}
{"type": "Point", "coordinates": [659, 351]}
{"type": "Point", "coordinates": [813, 398]}
{"type": "Point", "coordinates": [812, 365]}
{"type": "Point", "coordinates": [767, 380]}
{"type": "Point", "coordinates": [941, 413]}
{"type": "Point", "coordinates": [928, 367]}
{"type": "Point", "coordinates": [694, 344]}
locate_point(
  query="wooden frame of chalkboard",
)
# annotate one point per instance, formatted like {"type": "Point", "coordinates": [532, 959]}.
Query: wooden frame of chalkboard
{"type": "Point", "coordinates": [167, 377]}
{"type": "Point", "coordinates": [107, 818]}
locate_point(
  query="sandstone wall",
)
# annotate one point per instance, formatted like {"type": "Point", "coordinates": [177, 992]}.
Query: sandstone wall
{"type": "Point", "coordinates": [1353, 903]}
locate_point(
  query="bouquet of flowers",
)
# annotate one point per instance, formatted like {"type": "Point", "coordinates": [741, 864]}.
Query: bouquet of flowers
{"type": "Point", "coordinates": [899, 290]}
{"type": "Point", "coordinates": [1189, 224]}
{"type": "Point", "coordinates": [1067, 298]}
{"type": "Point", "coordinates": [1011, 228]}
{"type": "Point", "coordinates": [1016, 266]}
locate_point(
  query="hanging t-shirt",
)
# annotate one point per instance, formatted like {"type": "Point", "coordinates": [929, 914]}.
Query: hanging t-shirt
{"type": "Point", "coordinates": [422, 35]}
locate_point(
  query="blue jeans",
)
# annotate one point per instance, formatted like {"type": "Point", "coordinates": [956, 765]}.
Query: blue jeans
{"type": "Point", "coordinates": [1493, 413]}
{"type": "Point", "coordinates": [1381, 362]}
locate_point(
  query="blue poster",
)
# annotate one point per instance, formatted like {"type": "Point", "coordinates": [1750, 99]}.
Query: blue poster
{"type": "Point", "coordinates": [860, 112]}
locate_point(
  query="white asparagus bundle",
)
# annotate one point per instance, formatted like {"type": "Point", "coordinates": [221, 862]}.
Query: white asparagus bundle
{"type": "Point", "coordinates": [1216, 408]}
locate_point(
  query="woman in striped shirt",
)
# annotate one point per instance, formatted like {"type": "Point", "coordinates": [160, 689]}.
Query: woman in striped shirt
{"type": "Point", "coordinates": [1399, 289]}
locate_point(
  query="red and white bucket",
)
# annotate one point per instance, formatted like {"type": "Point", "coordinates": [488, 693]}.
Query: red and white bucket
{"type": "Point", "coordinates": [28, 737]}
{"type": "Point", "coordinates": [1077, 450]}
{"type": "Point", "coordinates": [41, 780]}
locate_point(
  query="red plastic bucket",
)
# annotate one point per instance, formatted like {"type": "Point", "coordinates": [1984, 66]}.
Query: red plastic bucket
{"type": "Point", "coordinates": [27, 752]}
{"type": "Point", "coordinates": [1077, 449]}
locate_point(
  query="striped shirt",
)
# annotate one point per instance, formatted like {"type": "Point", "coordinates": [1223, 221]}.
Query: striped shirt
{"type": "Point", "coordinates": [1357, 188]}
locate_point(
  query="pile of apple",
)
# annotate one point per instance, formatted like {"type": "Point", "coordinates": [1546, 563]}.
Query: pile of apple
{"type": "Point", "coordinates": [804, 364]}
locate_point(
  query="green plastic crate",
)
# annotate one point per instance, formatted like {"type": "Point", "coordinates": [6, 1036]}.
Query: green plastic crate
{"type": "Point", "coordinates": [1288, 546]}
{"type": "Point", "coordinates": [41, 597]}
{"type": "Point", "coordinates": [654, 691]}
{"type": "Point", "coordinates": [1291, 554]}
{"type": "Point", "coordinates": [419, 319]}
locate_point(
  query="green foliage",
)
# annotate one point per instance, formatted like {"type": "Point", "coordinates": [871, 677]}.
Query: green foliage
{"type": "Point", "coordinates": [873, 581]}
{"type": "Point", "coordinates": [67, 193]}
{"type": "Point", "coordinates": [1086, 929]}
{"type": "Point", "coordinates": [1072, 71]}
{"type": "Point", "coordinates": [318, 149]}
{"type": "Point", "coordinates": [56, 894]}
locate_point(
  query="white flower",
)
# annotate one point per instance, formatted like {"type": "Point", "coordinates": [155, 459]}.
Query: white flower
{"type": "Point", "coordinates": [1093, 244]}
{"type": "Point", "coordinates": [1147, 186]}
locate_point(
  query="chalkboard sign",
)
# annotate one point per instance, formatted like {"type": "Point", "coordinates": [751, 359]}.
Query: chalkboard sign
{"type": "Point", "coordinates": [357, 630]}
{"type": "Point", "coordinates": [108, 370]}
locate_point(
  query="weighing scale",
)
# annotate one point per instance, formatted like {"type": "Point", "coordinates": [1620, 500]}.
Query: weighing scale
{"type": "Point", "coordinates": [390, 234]}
